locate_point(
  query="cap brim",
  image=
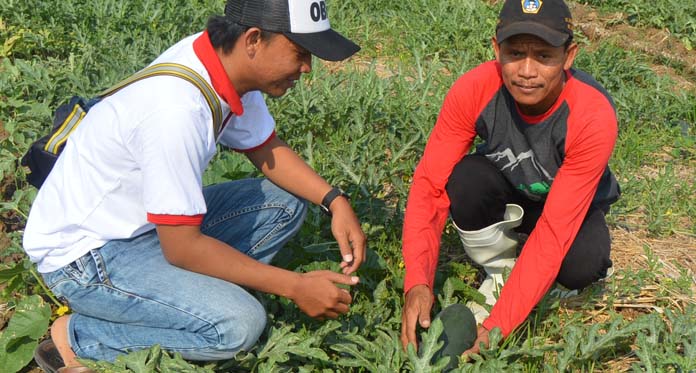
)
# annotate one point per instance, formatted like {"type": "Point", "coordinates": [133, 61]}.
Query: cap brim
{"type": "Point", "coordinates": [553, 37]}
{"type": "Point", "coordinates": [328, 45]}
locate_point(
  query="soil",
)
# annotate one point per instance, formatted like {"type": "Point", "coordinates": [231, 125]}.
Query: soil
{"type": "Point", "coordinates": [669, 54]}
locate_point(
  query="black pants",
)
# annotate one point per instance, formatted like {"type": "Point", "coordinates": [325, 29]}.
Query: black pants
{"type": "Point", "coordinates": [478, 193]}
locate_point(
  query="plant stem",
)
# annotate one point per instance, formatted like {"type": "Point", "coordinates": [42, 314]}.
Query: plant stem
{"type": "Point", "coordinates": [43, 286]}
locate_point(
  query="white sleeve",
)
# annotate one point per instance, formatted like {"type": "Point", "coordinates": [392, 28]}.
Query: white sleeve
{"type": "Point", "coordinates": [253, 128]}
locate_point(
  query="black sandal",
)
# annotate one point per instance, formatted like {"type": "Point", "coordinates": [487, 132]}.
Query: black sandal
{"type": "Point", "coordinates": [47, 357]}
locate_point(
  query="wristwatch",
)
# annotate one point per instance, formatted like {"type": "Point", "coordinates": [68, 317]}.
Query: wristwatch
{"type": "Point", "coordinates": [329, 197]}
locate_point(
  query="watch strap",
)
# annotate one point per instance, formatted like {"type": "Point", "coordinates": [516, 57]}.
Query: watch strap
{"type": "Point", "coordinates": [330, 197]}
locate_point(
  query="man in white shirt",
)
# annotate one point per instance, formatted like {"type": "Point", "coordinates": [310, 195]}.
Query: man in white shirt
{"type": "Point", "coordinates": [124, 232]}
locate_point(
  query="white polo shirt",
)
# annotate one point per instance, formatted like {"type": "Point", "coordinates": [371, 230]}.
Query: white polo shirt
{"type": "Point", "coordinates": [138, 157]}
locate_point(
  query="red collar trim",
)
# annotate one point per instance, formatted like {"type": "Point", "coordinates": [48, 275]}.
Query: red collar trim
{"type": "Point", "coordinates": [221, 83]}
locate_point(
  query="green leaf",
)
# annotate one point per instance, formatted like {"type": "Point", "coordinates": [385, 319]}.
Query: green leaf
{"type": "Point", "coordinates": [14, 358]}
{"type": "Point", "coordinates": [8, 274]}
{"type": "Point", "coordinates": [30, 319]}
{"type": "Point", "coordinates": [149, 360]}
{"type": "Point", "coordinates": [141, 361]}
{"type": "Point", "coordinates": [429, 346]}
{"type": "Point", "coordinates": [283, 342]}
{"type": "Point", "coordinates": [321, 247]}
{"type": "Point", "coordinates": [380, 355]}
{"type": "Point", "coordinates": [104, 366]}
{"type": "Point", "coordinates": [177, 364]}
{"type": "Point", "coordinates": [14, 285]}
{"type": "Point", "coordinates": [27, 325]}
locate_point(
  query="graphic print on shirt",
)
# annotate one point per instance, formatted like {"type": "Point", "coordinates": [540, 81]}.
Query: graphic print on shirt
{"type": "Point", "coordinates": [541, 187]}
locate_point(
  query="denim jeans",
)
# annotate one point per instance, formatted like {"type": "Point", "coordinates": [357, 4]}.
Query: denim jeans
{"type": "Point", "coordinates": [126, 296]}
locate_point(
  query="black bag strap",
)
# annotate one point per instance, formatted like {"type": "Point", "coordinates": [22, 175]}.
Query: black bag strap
{"type": "Point", "coordinates": [171, 69]}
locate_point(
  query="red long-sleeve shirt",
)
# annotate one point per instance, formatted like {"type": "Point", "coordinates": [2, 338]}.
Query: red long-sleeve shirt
{"type": "Point", "coordinates": [589, 118]}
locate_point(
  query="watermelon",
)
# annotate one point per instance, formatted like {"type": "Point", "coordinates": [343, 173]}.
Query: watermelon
{"type": "Point", "coordinates": [459, 332]}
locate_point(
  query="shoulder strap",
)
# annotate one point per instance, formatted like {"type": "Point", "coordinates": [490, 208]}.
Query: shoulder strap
{"type": "Point", "coordinates": [69, 124]}
{"type": "Point", "coordinates": [179, 71]}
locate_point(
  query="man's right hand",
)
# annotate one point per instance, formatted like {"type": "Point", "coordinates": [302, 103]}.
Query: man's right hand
{"type": "Point", "coordinates": [417, 306]}
{"type": "Point", "coordinates": [317, 295]}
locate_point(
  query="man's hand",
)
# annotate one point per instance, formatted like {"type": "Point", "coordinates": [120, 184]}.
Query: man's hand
{"type": "Point", "coordinates": [287, 170]}
{"type": "Point", "coordinates": [317, 295]}
{"type": "Point", "coordinates": [481, 338]}
{"type": "Point", "coordinates": [417, 306]}
{"type": "Point", "coordinates": [349, 236]}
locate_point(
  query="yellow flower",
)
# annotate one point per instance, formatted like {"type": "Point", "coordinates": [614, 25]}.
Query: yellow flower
{"type": "Point", "coordinates": [402, 264]}
{"type": "Point", "coordinates": [62, 310]}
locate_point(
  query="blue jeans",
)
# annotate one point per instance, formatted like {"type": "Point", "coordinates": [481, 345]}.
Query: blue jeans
{"type": "Point", "coordinates": [126, 296]}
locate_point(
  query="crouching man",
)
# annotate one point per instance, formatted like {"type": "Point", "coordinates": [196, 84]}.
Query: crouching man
{"type": "Point", "coordinates": [548, 132]}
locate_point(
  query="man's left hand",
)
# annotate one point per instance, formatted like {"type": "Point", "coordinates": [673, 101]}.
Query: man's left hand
{"type": "Point", "coordinates": [350, 237]}
{"type": "Point", "coordinates": [482, 337]}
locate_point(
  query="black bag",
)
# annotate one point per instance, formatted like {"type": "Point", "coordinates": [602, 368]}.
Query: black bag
{"type": "Point", "coordinates": [43, 153]}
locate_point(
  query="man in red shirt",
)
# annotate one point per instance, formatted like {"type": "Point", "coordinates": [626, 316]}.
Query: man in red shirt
{"type": "Point", "coordinates": [542, 169]}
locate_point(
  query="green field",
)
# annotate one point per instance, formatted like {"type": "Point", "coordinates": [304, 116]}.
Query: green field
{"type": "Point", "coordinates": [363, 124]}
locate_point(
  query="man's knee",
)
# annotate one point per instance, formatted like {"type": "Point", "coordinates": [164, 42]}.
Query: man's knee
{"type": "Point", "coordinates": [588, 259]}
{"type": "Point", "coordinates": [478, 192]}
{"type": "Point", "coordinates": [238, 332]}
{"type": "Point", "coordinates": [242, 331]}
{"type": "Point", "coordinates": [579, 277]}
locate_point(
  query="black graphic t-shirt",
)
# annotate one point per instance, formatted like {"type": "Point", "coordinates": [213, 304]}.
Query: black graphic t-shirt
{"type": "Point", "coordinates": [529, 151]}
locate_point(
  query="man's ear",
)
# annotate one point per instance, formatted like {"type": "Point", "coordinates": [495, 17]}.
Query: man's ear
{"type": "Point", "coordinates": [496, 48]}
{"type": "Point", "coordinates": [252, 41]}
{"type": "Point", "coordinates": [570, 53]}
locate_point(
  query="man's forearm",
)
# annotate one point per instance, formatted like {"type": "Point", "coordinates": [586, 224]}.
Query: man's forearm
{"type": "Point", "coordinates": [287, 170]}
{"type": "Point", "coordinates": [211, 257]}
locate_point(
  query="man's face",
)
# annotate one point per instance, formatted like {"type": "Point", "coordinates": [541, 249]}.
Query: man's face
{"type": "Point", "coordinates": [533, 70]}
{"type": "Point", "coordinates": [279, 63]}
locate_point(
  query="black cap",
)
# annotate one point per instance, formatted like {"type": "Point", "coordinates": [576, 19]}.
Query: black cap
{"type": "Point", "coordinates": [305, 22]}
{"type": "Point", "coordinates": [548, 19]}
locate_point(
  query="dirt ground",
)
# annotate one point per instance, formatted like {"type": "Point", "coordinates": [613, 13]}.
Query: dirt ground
{"type": "Point", "coordinates": [660, 44]}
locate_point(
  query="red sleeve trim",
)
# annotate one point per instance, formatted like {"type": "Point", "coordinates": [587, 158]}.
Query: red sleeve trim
{"type": "Point", "coordinates": [271, 137]}
{"type": "Point", "coordinates": [175, 219]}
